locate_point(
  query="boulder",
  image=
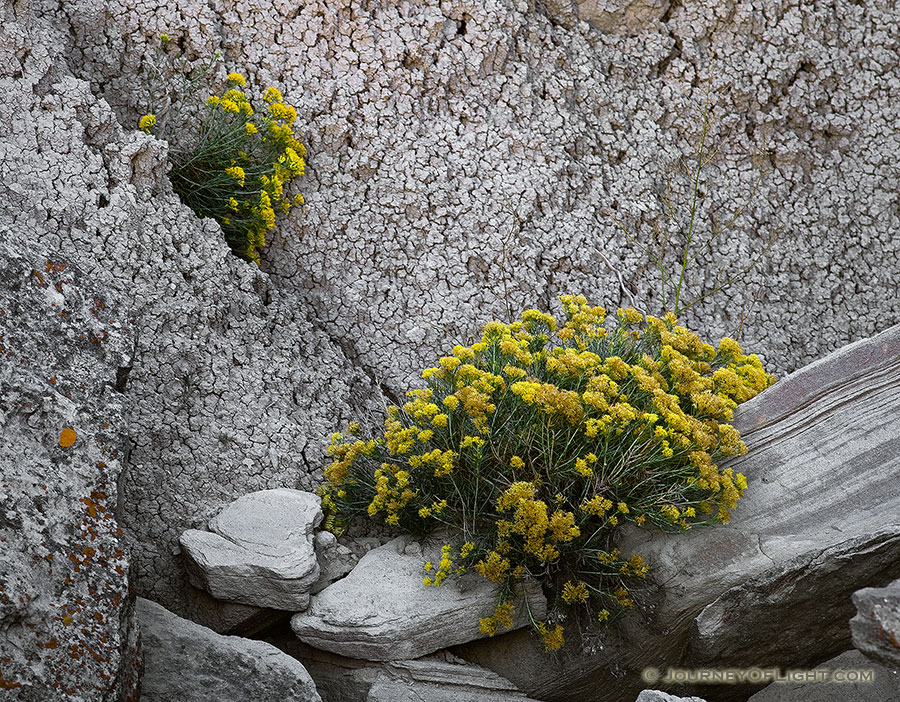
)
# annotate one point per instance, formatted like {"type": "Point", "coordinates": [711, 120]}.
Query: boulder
{"type": "Point", "coordinates": [876, 626]}
{"type": "Point", "coordinates": [259, 550]}
{"type": "Point", "coordinates": [66, 612]}
{"type": "Point", "coordinates": [820, 519]}
{"type": "Point", "coordinates": [189, 662]}
{"type": "Point", "coordinates": [382, 611]}
{"type": "Point", "coordinates": [850, 677]}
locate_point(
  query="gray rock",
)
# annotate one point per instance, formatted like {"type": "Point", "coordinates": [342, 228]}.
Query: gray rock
{"type": "Point", "coordinates": [66, 615]}
{"type": "Point", "coordinates": [876, 626]}
{"type": "Point", "coordinates": [186, 661]}
{"type": "Point", "coordinates": [862, 681]}
{"type": "Point", "coordinates": [259, 550]}
{"type": "Point", "coordinates": [820, 519]}
{"type": "Point", "coordinates": [660, 696]}
{"type": "Point", "coordinates": [382, 611]}
{"type": "Point", "coordinates": [335, 560]}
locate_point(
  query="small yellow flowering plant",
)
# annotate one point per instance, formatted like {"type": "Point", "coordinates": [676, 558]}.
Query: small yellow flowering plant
{"type": "Point", "coordinates": [237, 167]}
{"type": "Point", "coordinates": [537, 443]}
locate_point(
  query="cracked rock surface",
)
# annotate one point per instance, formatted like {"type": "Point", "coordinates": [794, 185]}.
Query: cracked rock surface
{"type": "Point", "coordinates": [67, 627]}
{"type": "Point", "coordinates": [462, 155]}
{"type": "Point", "coordinates": [230, 387]}
{"type": "Point", "coordinates": [820, 519]}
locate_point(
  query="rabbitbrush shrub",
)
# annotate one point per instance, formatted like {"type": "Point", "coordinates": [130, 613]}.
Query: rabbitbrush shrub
{"type": "Point", "coordinates": [235, 168]}
{"type": "Point", "coordinates": [535, 445]}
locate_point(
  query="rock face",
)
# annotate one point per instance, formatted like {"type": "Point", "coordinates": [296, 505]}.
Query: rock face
{"type": "Point", "coordinates": [382, 612]}
{"type": "Point", "coordinates": [259, 550]}
{"type": "Point", "coordinates": [876, 626]}
{"type": "Point", "coordinates": [461, 157]}
{"type": "Point", "coordinates": [185, 661]}
{"type": "Point", "coordinates": [773, 587]}
{"type": "Point", "coordinates": [463, 154]}
{"type": "Point", "coordinates": [861, 680]}
{"type": "Point", "coordinates": [232, 386]}
{"type": "Point", "coordinates": [66, 615]}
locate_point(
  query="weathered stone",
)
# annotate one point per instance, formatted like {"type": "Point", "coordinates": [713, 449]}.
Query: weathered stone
{"type": "Point", "coordinates": [259, 550]}
{"type": "Point", "coordinates": [66, 615]}
{"type": "Point", "coordinates": [335, 560]}
{"type": "Point", "coordinates": [382, 611]}
{"type": "Point", "coordinates": [186, 661]}
{"type": "Point", "coordinates": [862, 681]}
{"type": "Point", "coordinates": [436, 677]}
{"type": "Point", "coordinates": [876, 626]}
{"type": "Point", "coordinates": [774, 586]}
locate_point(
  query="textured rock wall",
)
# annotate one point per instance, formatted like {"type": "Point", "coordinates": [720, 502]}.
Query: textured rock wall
{"type": "Point", "coordinates": [461, 157]}
{"type": "Point", "coordinates": [462, 154]}
{"type": "Point", "coordinates": [67, 628]}
{"type": "Point", "coordinates": [231, 387]}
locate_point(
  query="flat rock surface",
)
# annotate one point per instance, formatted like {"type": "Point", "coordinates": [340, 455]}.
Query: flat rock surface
{"type": "Point", "coordinates": [382, 611]}
{"type": "Point", "coordinates": [820, 519]}
{"type": "Point", "coordinates": [186, 661]}
{"type": "Point", "coordinates": [876, 626]}
{"type": "Point", "coordinates": [66, 614]}
{"type": "Point", "coordinates": [259, 550]}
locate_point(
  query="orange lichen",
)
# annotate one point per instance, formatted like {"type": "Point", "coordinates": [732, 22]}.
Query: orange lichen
{"type": "Point", "coordinates": [67, 437]}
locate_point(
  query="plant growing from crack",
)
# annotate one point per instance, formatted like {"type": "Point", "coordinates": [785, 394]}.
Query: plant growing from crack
{"type": "Point", "coordinates": [235, 167]}
{"type": "Point", "coordinates": [536, 444]}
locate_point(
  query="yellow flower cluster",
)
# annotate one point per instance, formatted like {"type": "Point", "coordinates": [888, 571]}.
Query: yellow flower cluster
{"type": "Point", "coordinates": [240, 165]}
{"type": "Point", "coordinates": [553, 639]}
{"type": "Point", "coordinates": [147, 122]}
{"type": "Point", "coordinates": [540, 533]}
{"type": "Point", "coordinates": [575, 592]}
{"type": "Point", "coordinates": [392, 493]}
{"type": "Point", "coordinates": [445, 566]}
{"type": "Point", "coordinates": [502, 616]}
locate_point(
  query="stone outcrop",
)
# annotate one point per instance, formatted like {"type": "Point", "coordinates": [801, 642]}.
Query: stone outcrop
{"type": "Point", "coordinates": [189, 662]}
{"type": "Point", "coordinates": [66, 613]}
{"type": "Point", "coordinates": [259, 550]}
{"type": "Point", "coordinates": [876, 626]}
{"type": "Point", "coordinates": [819, 520]}
{"type": "Point", "coordinates": [382, 611]}
{"type": "Point", "coordinates": [462, 155]}
{"type": "Point", "coordinates": [850, 676]}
